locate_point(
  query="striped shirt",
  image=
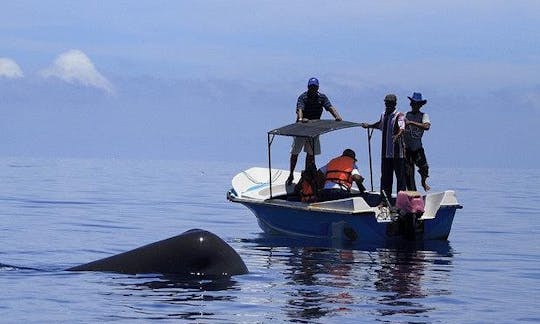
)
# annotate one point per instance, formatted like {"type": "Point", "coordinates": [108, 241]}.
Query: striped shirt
{"type": "Point", "coordinates": [393, 121]}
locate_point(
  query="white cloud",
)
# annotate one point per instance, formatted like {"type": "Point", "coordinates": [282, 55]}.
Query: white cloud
{"type": "Point", "coordinates": [74, 66]}
{"type": "Point", "coordinates": [10, 69]}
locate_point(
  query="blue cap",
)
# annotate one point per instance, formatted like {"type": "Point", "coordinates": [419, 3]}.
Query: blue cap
{"type": "Point", "coordinates": [313, 81]}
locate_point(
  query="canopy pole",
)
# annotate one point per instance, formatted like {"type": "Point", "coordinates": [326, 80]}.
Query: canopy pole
{"type": "Point", "coordinates": [270, 139]}
{"type": "Point", "coordinates": [312, 141]}
{"type": "Point", "coordinates": [369, 133]}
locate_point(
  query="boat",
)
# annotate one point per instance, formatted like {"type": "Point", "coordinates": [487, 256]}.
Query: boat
{"type": "Point", "coordinates": [367, 216]}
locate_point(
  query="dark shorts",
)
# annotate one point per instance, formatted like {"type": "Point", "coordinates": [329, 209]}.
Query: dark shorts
{"type": "Point", "coordinates": [302, 142]}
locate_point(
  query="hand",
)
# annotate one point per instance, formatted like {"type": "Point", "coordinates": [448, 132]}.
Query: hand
{"type": "Point", "coordinates": [364, 125]}
{"type": "Point", "coordinates": [338, 119]}
{"type": "Point", "coordinates": [362, 189]}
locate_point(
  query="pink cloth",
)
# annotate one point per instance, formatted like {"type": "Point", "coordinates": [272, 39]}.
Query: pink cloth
{"type": "Point", "coordinates": [410, 202]}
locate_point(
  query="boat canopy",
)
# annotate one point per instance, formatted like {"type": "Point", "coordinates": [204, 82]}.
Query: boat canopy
{"type": "Point", "coordinates": [312, 128]}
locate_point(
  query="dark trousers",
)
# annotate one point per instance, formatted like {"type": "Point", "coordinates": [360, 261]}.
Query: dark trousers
{"type": "Point", "coordinates": [417, 158]}
{"type": "Point", "coordinates": [389, 166]}
{"type": "Point", "coordinates": [334, 194]}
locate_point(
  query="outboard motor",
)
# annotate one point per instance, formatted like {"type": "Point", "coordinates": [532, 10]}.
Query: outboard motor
{"type": "Point", "coordinates": [411, 208]}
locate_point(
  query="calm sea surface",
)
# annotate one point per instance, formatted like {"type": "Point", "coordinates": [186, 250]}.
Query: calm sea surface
{"type": "Point", "coordinates": [55, 214]}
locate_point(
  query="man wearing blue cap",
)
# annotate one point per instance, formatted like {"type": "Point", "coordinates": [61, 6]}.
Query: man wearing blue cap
{"type": "Point", "coordinates": [416, 123]}
{"type": "Point", "coordinates": [309, 106]}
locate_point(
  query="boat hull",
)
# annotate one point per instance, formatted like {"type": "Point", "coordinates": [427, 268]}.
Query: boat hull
{"type": "Point", "coordinates": [359, 218]}
{"type": "Point", "coordinates": [356, 227]}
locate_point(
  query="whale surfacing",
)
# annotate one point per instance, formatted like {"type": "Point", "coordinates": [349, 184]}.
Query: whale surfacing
{"type": "Point", "coordinates": [193, 253]}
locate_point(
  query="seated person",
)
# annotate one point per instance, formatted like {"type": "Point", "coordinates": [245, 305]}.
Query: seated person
{"type": "Point", "coordinates": [339, 175]}
{"type": "Point", "coordinates": [309, 185]}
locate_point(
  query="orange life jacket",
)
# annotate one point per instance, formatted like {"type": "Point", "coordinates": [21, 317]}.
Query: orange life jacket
{"type": "Point", "coordinates": [339, 171]}
{"type": "Point", "coordinates": [307, 194]}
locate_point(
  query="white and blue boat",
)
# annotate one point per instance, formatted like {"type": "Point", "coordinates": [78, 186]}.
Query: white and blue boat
{"type": "Point", "coordinates": [360, 218]}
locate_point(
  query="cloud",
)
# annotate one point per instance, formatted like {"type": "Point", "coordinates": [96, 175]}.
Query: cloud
{"type": "Point", "coordinates": [74, 66]}
{"type": "Point", "coordinates": [10, 69]}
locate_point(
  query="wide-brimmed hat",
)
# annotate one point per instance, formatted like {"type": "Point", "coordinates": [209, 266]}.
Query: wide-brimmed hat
{"type": "Point", "coordinates": [417, 97]}
{"type": "Point", "coordinates": [350, 153]}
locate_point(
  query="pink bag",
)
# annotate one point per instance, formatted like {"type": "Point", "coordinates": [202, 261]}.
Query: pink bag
{"type": "Point", "coordinates": [410, 202]}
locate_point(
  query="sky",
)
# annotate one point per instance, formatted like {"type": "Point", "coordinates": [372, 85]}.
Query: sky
{"type": "Point", "coordinates": [206, 80]}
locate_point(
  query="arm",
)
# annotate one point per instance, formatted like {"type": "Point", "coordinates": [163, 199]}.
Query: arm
{"type": "Point", "coordinates": [300, 104]}
{"type": "Point", "coordinates": [328, 106]}
{"type": "Point", "coordinates": [424, 126]}
{"type": "Point", "coordinates": [299, 115]}
{"type": "Point", "coordinates": [374, 125]}
{"type": "Point", "coordinates": [335, 113]}
{"type": "Point", "coordinates": [399, 133]}
{"type": "Point", "coordinates": [358, 179]}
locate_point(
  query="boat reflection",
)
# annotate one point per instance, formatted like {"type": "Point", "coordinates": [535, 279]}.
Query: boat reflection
{"type": "Point", "coordinates": [393, 279]}
{"type": "Point", "coordinates": [320, 278]}
{"type": "Point", "coordinates": [406, 274]}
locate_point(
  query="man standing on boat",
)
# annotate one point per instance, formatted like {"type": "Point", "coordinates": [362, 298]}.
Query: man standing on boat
{"type": "Point", "coordinates": [392, 125]}
{"type": "Point", "coordinates": [339, 175]}
{"type": "Point", "coordinates": [416, 123]}
{"type": "Point", "coordinates": [309, 106]}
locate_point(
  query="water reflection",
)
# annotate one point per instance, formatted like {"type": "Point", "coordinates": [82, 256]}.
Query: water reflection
{"type": "Point", "coordinates": [173, 282]}
{"type": "Point", "coordinates": [393, 279]}
{"type": "Point", "coordinates": [168, 297]}
{"type": "Point", "coordinates": [402, 278]}
{"type": "Point", "coordinates": [308, 266]}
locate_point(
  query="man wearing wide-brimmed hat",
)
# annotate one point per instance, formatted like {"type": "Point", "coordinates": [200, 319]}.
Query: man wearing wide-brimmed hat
{"type": "Point", "coordinates": [416, 123]}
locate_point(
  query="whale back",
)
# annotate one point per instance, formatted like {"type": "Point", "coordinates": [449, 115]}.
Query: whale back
{"type": "Point", "coordinates": [193, 253]}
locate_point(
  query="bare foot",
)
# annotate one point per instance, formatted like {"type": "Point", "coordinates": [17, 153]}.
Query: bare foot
{"type": "Point", "coordinates": [425, 185]}
{"type": "Point", "coordinates": [289, 180]}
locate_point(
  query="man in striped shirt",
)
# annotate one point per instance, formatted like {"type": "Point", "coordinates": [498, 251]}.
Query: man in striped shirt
{"type": "Point", "coordinates": [392, 125]}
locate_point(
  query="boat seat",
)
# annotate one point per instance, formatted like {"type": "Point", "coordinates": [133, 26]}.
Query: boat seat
{"type": "Point", "coordinates": [354, 204]}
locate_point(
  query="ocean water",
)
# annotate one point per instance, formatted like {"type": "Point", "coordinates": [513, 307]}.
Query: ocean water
{"type": "Point", "coordinates": [59, 213]}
